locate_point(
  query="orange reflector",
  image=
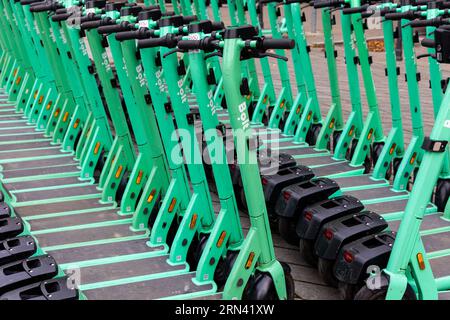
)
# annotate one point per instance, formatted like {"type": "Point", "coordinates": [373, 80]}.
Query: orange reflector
{"type": "Point", "coordinates": [193, 221]}
{"type": "Point", "coordinates": [309, 116]}
{"type": "Point", "coordinates": [249, 262]}
{"type": "Point", "coordinates": [15, 72]}
{"type": "Point", "coordinates": [56, 113]}
{"type": "Point", "coordinates": [97, 147]}
{"type": "Point", "coordinates": [391, 151]}
{"type": "Point", "coordinates": [151, 196]}
{"type": "Point", "coordinates": [172, 205]}
{"type": "Point", "coordinates": [221, 239]}
{"type": "Point", "coordinates": [352, 129]}
{"type": "Point", "coordinates": [420, 261]}
{"type": "Point", "coordinates": [66, 115]}
{"type": "Point", "coordinates": [265, 99]}
{"type": "Point", "coordinates": [249, 96]}
{"type": "Point", "coordinates": [331, 123]}
{"type": "Point", "coordinates": [139, 178]}
{"type": "Point", "coordinates": [413, 158]}
{"type": "Point", "coordinates": [76, 124]}
{"type": "Point", "coordinates": [299, 108]}
{"type": "Point", "coordinates": [49, 105]}
{"type": "Point", "coordinates": [369, 136]}
{"type": "Point", "coordinates": [113, 159]}
{"type": "Point", "coordinates": [119, 171]}
{"type": "Point", "coordinates": [41, 98]}
{"type": "Point", "coordinates": [19, 79]}
{"type": "Point", "coordinates": [35, 94]}
{"type": "Point", "coordinates": [282, 104]}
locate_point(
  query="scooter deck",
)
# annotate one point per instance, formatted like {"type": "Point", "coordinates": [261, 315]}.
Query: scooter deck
{"type": "Point", "coordinates": [61, 207]}
{"type": "Point", "coordinates": [39, 195]}
{"type": "Point", "coordinates": [150, 289]}
{"type": "Point", "coordinates": [25, 146]}
{"type": "Point", "coordinates": [56, 221]}
{"type": "Point", "coordinates": [13, 138]}
{"type": "Point", "coordinates": [42, 183]}
{"type": "Point", "coordinates": [11, 156]}
{"type": "Point", "coordinates": [45, 171]}
{"type": "Point", "coordinates": [7, 131]}
{"type": "Point", "coordinates": [64, 160]}
{"type": "Point", "coordinates": [375, 193]}
{"type": "Point", "coordinates": [361, 180]}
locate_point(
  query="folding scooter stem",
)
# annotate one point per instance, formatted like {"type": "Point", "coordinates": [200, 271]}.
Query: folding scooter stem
{"type": "Point", "coordinates": [408, 243]}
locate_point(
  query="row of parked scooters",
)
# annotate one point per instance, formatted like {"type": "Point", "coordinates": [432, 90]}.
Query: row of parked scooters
{"type": "Point", "coordinates": [132, 135]}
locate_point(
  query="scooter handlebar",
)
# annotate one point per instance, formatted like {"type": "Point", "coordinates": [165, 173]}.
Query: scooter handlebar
{"type": "Point", "coordinates": [61, 17]}
{"type": "Point", "coordinates": [354, 10]}
{"type": "Point", "coordinates": [114, 28]}
{"type": "Point", "coordinates": [168, 41]}
{"type": "Point", "coordinates": [327, 3]}
{"type": "Point", "coordinates": [96, 23]}
{"type": "Point", "coordinates": [408, 15]}
{"type": "Point", "coordinates": [136, 34]}
{"type": "Point", "coordinates": [276, 44]}
{"type": "Point", "coordinates": [45, 7]}
{"type": "Point", "coordinates": [428, 43]}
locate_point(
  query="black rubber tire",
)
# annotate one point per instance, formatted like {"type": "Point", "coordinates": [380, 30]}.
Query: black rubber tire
{"type": "Point", "coordinates": [224, 268]}
{"type": "Point", "coordinates": [325, 269]}
{"type": "Point", "coordinates": [380, 294]}
{"type": "Point", "coordinates": [442, 194]}
{"type": "Point", "coordinates": [306, 249]}
{"type": "Point", "coordinates": [395, 165]}
{"type": "Point", "coordinates": [313, 134]}
{"type": "Point", "coordinates": [287, 230]}
{"type": "Point", "coordinates": [348, 291]}
{"type": "Point", "coordinates": [261, 287]}
{"type": "Point", "coordinates": [336, 136]}
{"type": "Point", "coordinates": [376, 152]}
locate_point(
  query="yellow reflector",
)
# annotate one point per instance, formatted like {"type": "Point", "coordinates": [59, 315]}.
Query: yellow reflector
{"type": "Point", "coordinates": [66, 115]}
{"type": "Point", "coordinates": [369, 136]}
{"type": "Point", "coordinates": [352, 129]}
{"type": "Point", "coordinates": [221, 239]}
{"type": "Point", "coordinates": [119, 171]}
{"type": "Point", "coordinates": [15, 72]}
{"type": "Point", "coordinates": [331, 123]}
{"type": "Point", "coordinates": [56, 114]}
{"type": "Point", "coordinates": [420, 261]}
{"type": "Point", "coordinates": [309, 116]}
{"type": "Point", "coordinates": [49, 105]}
{"type": "Point", "coordinates": [76, 124]}
{"type": "Point", "coordinates": [391, 151]}
{"type": "Point", "coordinates": [250, 260]}
{"type": "Point", "coordinates": [193, 221]}
{"type": "Point", "coordinates": [172, 205]}
{"type": "Point", "coordinates": [151, 196]}
{"type": "Point", "coordinates": [19, 79]}
{"type": "Point", "coordinates": [413, 158]}
{"type": "Point", "coordinates": [139, 177]}
{"type": "Point", "coordinates": [97, 147]}
{"type": "Point", "coordinates": [35, 94]}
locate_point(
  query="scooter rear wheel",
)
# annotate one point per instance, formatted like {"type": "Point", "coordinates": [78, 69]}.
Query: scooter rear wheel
{"type": "Point", "coordinates": [442, 194]}
{"type": "Point", "coordinates": [348, 291]}
{"type": "Point", "coordinates": [306, 248]}
{"type": "Point", "coordinates": [325, 268]}
{"type": "Point", "coordinates": [286, 228]}
{"type": "Point", "coordinates": [380, 294]}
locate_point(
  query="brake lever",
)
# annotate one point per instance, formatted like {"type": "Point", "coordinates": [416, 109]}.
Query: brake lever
{"type": "Point", "coordinates": [426, 55]}
{"type": "Point", "coordinates": [272, 55]}
{"type": "Point", "coordinates": [172, 52]}
{"type": "Point", "coordinates": [214, 54]}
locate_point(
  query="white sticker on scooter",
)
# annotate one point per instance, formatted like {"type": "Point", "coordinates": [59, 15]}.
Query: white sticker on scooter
{"type": "Point", "coordinates": [447, 124]}
{"type": "Point", "coordinates": [143, 24]}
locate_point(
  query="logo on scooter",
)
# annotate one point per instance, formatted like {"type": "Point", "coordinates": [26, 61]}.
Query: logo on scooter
{"type": "Point", "coordinates": [447, 124]}
{"type": "Point", "coordinates": [374, 280]}
{"type": "Point", "coordinates": [244, 116]}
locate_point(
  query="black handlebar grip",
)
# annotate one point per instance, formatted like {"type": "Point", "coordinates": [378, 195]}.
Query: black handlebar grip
{"type": "Point", "coordinates": [354, 10]}
{"type": "Point", "coordinates": [96, 23]}
{"type": "Point", "coordinates": [140, 34]}
{"type": "Point", "coordinates": [217, 25]}
{"type": "Point", "coordinates": [189, 44]}
{"type": "Point", "coordinates": [28, 2]}
{"type": "Point", "coordinates": [44, 7]}
{"type": "Point", "coordinates": [151, 43]}
{"type": "Point", "coordinates": [425, 23]}
{"type": "Point", "coordinates": [60, 11]}
{"type": "Point", "coordinates": [115, 28]}
{"type": "Point", "coordinates": [61, 17]}
{"type": "Point", "coordinates": [428, 43]}
{"type": "Point", "coordinates": [277, 44]}
{"type": "Point", "coordinates": [189, 19]}
{"type": "Point", "coordinates": [367, 14]}
{"type": "Point", "coordinates": [327, 3]}
{"type": "Point", "coordinates": [409, 15]}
